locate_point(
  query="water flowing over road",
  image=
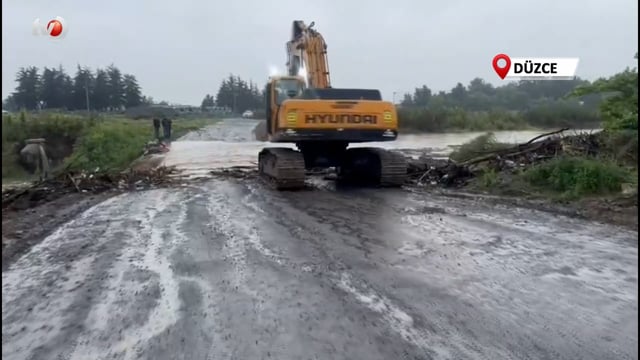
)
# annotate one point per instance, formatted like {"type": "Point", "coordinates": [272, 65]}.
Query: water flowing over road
{"type": "Point", "coordinates": [229, 269]}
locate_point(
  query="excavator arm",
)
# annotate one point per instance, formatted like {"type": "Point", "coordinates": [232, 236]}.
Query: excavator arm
{"type": "Point", "coordinates": [307, 55]}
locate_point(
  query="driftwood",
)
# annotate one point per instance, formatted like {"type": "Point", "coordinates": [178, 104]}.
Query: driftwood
{"type": "Point", "coordinates": [529, 147]}
{"type": "Point", "coordinates": [546, 134]}
{"type": "Point", "coordinates": [67, 182]}
{"type": "Point", "coordinates": [539, 148]}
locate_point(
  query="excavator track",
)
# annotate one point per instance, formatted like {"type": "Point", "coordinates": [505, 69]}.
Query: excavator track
{"type": "Point", "coordinates": [283, 168]}
{"type": "Point", "coordinates": [393, 167]}
{"type": "Point", "coordinates": [374, 166]}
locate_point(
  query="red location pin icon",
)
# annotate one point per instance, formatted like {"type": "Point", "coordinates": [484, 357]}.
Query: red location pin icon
{"type": "Point", "coordinates": [502, 71]}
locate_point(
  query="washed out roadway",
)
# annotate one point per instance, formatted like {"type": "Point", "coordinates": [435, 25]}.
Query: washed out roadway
{"type": "Point", "coordinates": [228, 269]}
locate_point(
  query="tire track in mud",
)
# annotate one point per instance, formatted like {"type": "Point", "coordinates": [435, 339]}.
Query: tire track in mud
{"type": "Point", "coordinates": [398, 319]}
{"type": "Point", "coordinates": [191, 320]}
{"type": "Point", "coordinates": [135, 295]}
{"type": "Point", "coordinates": [243, 238]}
{"type": "Point", "coordinates": [48, 293]}
{"type": "Point", "coordinates": [143, 287]}
{"type": "Point", "coordinates": [542, 271]}
{"type": "Point", "coordinates": [568, 339]}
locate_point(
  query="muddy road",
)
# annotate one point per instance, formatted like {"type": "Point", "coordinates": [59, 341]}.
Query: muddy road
{"type": "Point", "coordinates": [226, 269]}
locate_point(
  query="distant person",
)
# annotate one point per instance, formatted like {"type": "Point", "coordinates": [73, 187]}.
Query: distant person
{"type": "Point", "coordinates": [156, 128]}
{"type": "Point", "coordinates": [166, 128]}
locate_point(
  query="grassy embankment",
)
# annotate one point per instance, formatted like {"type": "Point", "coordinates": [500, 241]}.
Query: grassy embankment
{"type": "Point", "coordinates": [109, 143]}
{"type": "Point", "coordinates": [609, 172]}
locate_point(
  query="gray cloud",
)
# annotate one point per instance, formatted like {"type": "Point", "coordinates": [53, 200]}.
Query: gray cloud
{"type": "Point", "coordinates": [181, 50]}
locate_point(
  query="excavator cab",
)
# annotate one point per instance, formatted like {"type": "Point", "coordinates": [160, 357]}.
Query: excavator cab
{"type": "Point", "coordinates": [287, 88]}
{"type": "Point", "coordinates": [278, 90]}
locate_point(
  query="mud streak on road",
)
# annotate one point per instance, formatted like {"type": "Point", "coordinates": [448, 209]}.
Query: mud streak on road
{"type": "Point", "coordinates": [232, 270]}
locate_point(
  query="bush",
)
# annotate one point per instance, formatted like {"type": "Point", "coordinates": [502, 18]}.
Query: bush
{"type": "Point", "coordinates": [620, 145]}
{"type": "Point", "coordinates": [476, 147]}
{"type": "Point", "coordinates": [420, 120]}
{"type": "Point", "coordinates": [576, 176]}
{"type": "Point", "coordinates": [561, 114]}
{"type": "Point", "coordinates": [114, 144]}
{"type": "Point", "coordinates": [110, 145]}
{"type": "Point", "coordinates": [489, 178]}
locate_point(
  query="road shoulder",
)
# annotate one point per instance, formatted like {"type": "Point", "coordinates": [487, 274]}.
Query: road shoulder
{"type": "Point", "coordinates": [620, 211]}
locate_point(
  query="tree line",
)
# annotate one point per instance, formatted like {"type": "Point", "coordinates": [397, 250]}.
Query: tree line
{"type": "Point", "coordinates": [619, 109]}
{"type": "Point", "coordinates": [479, 95]}
{"type": "Point", "coordinates": [515, 105]}
{"type": "Point", "coordinates": [476, 106]}
{"type": "Point", "coordinates": [236, 94]}
{"type": "Point", "coordinates": [99, 90]}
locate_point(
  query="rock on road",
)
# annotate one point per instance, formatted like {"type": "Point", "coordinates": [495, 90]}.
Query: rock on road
{"type": "Point", "coordinates": [231, 270]}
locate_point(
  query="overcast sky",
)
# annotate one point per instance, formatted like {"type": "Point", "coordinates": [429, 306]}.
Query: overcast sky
{"type": "Point", "coordinates": [181, 50]}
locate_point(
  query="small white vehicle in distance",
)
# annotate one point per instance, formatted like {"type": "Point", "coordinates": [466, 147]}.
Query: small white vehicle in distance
{"type": "Point", "coordinates": [247, 114]}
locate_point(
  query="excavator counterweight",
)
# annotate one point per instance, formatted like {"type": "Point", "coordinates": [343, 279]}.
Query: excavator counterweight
{"type": "Point", "coordinates": [303, 108]}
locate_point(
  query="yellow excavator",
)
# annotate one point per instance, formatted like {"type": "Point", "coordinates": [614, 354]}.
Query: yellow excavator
{"type": "Point", "coordinates": [322, 121]}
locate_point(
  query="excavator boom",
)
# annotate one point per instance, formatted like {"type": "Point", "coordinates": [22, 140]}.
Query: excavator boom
{"type": "Point", "coordinates": [307, 52]}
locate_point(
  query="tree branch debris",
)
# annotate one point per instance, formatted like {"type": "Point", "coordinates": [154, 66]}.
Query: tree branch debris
{"type": "Point", "coordinates": [427, 170]}
{"type": "Point", "coordinates": [90, 182]}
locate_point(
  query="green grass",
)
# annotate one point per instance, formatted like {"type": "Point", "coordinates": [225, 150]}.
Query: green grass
{"type": "Point", "coordinates": [573, 177]}
{"type": "Point", "coordinates": [564, 177]}
{"type": "Point", "coordinates": [489, 178]}
{"type": "Point", "coordinates": [109, 143]}
{"type": "Point", "coordinates": [113, 144]}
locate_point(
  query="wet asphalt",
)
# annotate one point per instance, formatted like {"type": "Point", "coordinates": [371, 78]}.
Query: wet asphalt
{"type": "Point", "coordinates": [229, 269]}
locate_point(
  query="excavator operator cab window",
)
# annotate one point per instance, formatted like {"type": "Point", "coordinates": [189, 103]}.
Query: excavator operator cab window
{"type": "Point", "coordinates": [287, 89]}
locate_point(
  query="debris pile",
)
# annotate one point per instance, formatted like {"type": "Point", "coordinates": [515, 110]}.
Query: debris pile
{"type": "Point", "coordinates": [237, 172]}
{"type": "Point", "coordinates": [427, 170]}
{"type": "Point", "coordinates": [95, 182]}
{"type": "Point", "coordinates": [155, 147]}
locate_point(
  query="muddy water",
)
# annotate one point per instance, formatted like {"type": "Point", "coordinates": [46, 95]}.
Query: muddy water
{"type": "Point", "coordinates": [231, 143]}
{"type": "Point", "coordinates": [444, 142]}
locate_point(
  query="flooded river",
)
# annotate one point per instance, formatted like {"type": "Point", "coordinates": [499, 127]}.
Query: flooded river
{"type": "Point", "coordinates": [223, 146]}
